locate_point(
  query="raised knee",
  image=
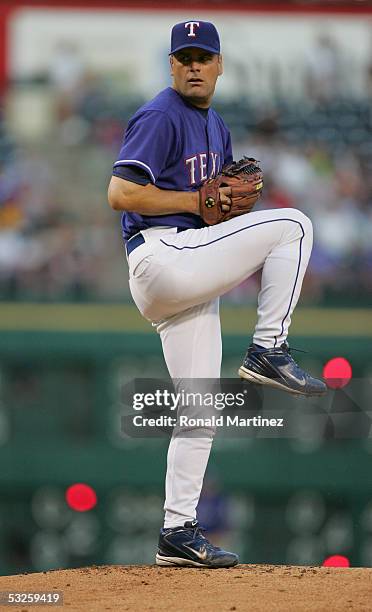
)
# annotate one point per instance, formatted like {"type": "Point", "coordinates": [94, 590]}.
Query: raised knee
{"type": "Point", "coordinates": [302, 220]}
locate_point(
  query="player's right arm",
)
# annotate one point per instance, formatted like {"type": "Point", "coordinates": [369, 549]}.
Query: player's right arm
{"type": "Point", "coordinates": [150, 200]}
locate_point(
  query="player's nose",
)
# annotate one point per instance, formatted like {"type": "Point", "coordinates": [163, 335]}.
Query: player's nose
{"type": "Point", "coordinates": [195, 65]}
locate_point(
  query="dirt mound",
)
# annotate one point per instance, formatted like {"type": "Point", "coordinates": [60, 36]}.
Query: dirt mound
{"type": "Point", "coordinates": [255, 588]}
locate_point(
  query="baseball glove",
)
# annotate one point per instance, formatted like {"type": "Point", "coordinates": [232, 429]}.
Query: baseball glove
{"type": "Point", "coordinates": [245, 180]}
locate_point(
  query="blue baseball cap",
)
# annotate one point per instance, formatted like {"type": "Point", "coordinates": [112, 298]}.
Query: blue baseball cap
{"type": "Point", "coordinates": [200, 34]}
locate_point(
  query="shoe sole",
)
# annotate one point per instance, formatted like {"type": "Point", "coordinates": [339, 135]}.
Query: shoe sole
{"type": "Point", "coordinates": [269, 382]}
{"type": "Point", "coordinates": [180, 562]}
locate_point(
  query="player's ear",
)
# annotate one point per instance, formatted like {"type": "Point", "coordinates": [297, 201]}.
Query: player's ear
{"type": "Point", "coordinates": [220, 65]}
{"type": "Point", "coordinates": [171, 62]}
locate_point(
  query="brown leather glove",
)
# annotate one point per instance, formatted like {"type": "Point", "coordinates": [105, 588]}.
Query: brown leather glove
{"type": "Point", "coordinates": [245, 181]}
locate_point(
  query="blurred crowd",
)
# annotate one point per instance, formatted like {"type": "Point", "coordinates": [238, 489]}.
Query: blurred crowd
{"type": "Point", "coordinates": [59, 239]}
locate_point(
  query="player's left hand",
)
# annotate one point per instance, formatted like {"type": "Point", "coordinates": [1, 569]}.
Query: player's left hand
{"type": "Point", "coordinates": [232, 193]}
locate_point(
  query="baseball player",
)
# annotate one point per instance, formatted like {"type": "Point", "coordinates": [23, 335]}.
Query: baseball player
{"type": "Point", "coordinates": [166, 181]}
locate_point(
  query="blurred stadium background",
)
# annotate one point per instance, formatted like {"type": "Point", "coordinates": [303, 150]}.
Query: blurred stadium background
{"type": "Point", "coordinates": [297, 95]}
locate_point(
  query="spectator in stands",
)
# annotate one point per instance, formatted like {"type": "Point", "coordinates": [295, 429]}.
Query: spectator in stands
{"type": "Point", "coordinates": [323, 70]}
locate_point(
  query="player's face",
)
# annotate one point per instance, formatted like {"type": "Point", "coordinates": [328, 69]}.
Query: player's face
{"type": "Point", "coordinates": [195, 73]}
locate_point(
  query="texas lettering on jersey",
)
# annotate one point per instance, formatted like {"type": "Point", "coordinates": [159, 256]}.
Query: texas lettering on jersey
{"type": "Point", "coordinates": [179, 147]}
{"type": "Point", "coordinates": [197, 166]}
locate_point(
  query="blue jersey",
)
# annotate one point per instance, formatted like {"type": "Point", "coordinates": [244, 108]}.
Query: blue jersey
{"type": "Point", "coordinates": [178, 147]}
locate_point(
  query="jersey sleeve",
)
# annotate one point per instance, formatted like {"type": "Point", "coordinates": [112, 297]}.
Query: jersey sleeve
{"type": "Point", "coordinates": [148, 143]}
{"type": "Point", "coordinates": [134, 174]}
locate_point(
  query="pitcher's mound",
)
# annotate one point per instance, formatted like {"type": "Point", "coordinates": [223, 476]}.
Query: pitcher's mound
{"type": "Point", "coordinates": [246, 587]}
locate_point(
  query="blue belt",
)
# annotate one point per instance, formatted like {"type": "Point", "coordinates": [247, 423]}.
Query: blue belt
{"type": "Point", "coordinates": [136, 240]}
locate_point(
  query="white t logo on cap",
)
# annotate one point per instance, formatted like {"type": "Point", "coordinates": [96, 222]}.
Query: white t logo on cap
{"type": "Point", "coordinates": [191, 25]}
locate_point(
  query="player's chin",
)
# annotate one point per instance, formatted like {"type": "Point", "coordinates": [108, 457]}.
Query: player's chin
{"type": "Point", "coordinates": [198, 94]}
{"type": "Point", "coordinates": [197, 90]}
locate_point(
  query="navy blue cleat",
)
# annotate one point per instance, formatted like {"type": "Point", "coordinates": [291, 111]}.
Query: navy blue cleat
{"type": "Point", "coordinates": [275, 367]}
{"type": "Point", "coordinates": [186, 546]}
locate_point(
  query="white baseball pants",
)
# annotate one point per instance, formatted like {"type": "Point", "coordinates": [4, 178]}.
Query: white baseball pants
{"type": "Point", "coordinates": [176, 280]}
